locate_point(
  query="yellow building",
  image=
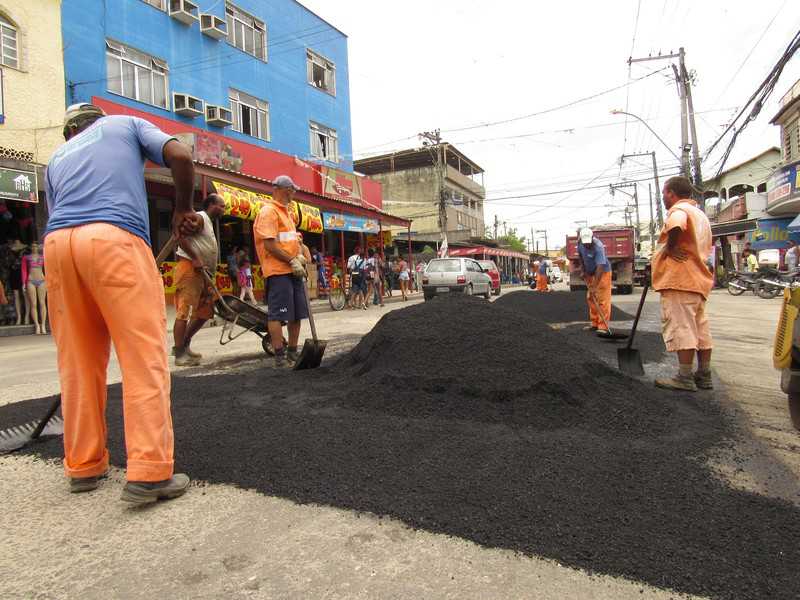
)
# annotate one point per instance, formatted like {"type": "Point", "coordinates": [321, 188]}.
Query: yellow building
{"type": "Point", "coordinates": [31, 111]}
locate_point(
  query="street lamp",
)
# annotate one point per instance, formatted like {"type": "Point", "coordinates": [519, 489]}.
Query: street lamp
{"type": "Point", "coordinates": [643, 122]}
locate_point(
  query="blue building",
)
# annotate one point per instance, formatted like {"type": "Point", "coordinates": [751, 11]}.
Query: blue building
{"type": "Point", "coordinates": [269, 73]}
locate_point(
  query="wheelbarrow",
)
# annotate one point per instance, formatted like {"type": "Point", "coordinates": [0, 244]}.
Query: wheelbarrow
{"type": "Point", "coordinates": [239, 314]}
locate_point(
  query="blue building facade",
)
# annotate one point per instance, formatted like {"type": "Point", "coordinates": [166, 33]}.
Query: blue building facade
{"type": "Point", "coordinates": [279, 68]}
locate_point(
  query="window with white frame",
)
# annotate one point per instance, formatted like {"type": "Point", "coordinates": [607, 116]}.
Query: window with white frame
{"type": "Point", "coordinates": [136, 75]}
{"type": "Point", "coordinates": [321, 72]}
{"type": "Point", "coordinates": [250, 115]}
{"type": "Point", "coordinates": [159, 4]}
{"type": "Point", "coordinates": [9, 50]}
{"type": "Point", "coordinates": [324, 142]}
{"type": "Point", "coordinates": [246, 32]}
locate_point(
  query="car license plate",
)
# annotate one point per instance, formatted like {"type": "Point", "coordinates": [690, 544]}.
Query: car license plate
{"type": "Point", "coordinates": [442, 289]}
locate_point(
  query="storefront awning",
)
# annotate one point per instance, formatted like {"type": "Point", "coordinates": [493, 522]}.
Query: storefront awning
{"type": "Point", "coordinates": [734, 227]}
{"type": "Point", "coordinates": [486, 250]}
{"type": "Point", "coordinates": [263, 186]}
{"type": "Point", "coordinates": [794, 226]}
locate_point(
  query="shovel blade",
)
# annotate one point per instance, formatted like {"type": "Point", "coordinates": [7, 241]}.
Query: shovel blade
{"type": "Point", "coordinates": [630, 362]}
{"type": "Point", "coordinates": [612, 336]}
{"type": "Point", "coordinates": [22, 435]}
{"type": "Point", "coordinates": [311, 355]}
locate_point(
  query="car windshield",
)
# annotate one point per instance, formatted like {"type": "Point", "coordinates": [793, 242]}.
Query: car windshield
{"type": "Point", "coordinates": [486, 265]}
{"type": "Point", "coordinates": [448, 265]}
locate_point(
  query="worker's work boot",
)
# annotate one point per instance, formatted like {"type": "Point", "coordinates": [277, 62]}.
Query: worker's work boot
{"type": "Point", "coordinates": [190, 352]}
{"type": "Point", "coordinates": [702, 379]}
{"type": "Point", "coordinates": [281, 361]}
{"type": "Point", "coordinates": [292, 356]}
{"type": "Point", "coordinates": [679, 383]}
{"type": "Point", "coordinates": [78, 485]}
{"type": "Point", "coordinates": [183, 358]}
{"type": "Point", "coordinates": [145, 492]}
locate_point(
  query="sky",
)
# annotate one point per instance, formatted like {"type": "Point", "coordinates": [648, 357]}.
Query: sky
{"type": "Point", "coordinates": [462, 66]}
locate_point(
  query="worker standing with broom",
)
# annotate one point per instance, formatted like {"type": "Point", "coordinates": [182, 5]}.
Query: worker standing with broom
{"type": "Point", "coordinates": [104, 285]}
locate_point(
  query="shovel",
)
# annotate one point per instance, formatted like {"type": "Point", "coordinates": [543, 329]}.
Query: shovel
{"type": "Point", "coordinates": [311, 355]}
{"type": "Point", "coordinates": [610, 335]}
{"type": "Point", "coordinates": [15, 438]}
{"type": "Point", "coordinates": [630, 361]}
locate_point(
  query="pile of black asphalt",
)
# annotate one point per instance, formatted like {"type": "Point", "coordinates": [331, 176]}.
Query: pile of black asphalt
{"type": "Point", "coordinates": [465, 418]}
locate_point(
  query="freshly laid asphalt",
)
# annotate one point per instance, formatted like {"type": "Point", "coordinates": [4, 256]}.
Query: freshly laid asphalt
{"type": "Point", "coordinates": [471, 419]}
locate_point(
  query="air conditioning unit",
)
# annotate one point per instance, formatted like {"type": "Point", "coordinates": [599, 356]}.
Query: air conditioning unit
{"type": "Point", "coordinates": [218, 116]}
{"type": "Point", "coordinates": [213, 26]}
{"type": "Point", "coordinates": [184, 11]}
{"type": "Point", "coordinates": [186, 105]}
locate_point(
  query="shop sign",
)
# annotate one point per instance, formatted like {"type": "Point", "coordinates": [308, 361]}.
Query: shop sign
{"type": "Point", "coordinates": [783, 185]}
{"type": "Point", "coordinates": [244, 204]}
{"type": "Point", "coordinates": [221, 278]}
{"type": "Point", "coordinates": [771, 234]}
{"type": "Point", "coordinates": [19, 185]}
{"type": "Point", "coordinates": [341, 184]}
{"type": "Point", "coordinates": [212, 151]}
{"type": "Point", "coordinates": [373, 241]}
{"type": "Point", "coordinates": [343, 222]}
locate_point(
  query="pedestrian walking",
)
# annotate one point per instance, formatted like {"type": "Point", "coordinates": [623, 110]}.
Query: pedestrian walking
{"type": "Point", "coordinates": [104, 286]}
{"type": "Point", "coordinates": [356, 265]}
{"type": "Point", "coordinates": [681, 277]}
{"type": "Point", "coordinates": [246, 281]}
{"type": "Point", "coordinates": [596, 270]}
{"type": "Point", "coordinates": [418, 272]}
{"type": "Point", "coordinates": [403, 277]}
{"type": "Point", "coordinates": [750, 261]}
{"type": "Point", "coordinates": [283, 266]}
{"type": "Point", "coordinates": [791, 257]}
{"type": "Point", "coordinates": [193, 295]}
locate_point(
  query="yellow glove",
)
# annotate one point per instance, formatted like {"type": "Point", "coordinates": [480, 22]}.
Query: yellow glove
{"type": "Point", "coordinates": [298, 269]}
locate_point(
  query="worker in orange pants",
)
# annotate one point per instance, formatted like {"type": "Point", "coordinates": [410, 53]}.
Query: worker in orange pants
{"type": "Point", "coordinates": [600, 285]}
{"type": "Point", "coordinates": [542, 284]}
{"type": "Point", "coordinates": [596, 270]}
{"type": "Point", "coordinates": [104, 286]}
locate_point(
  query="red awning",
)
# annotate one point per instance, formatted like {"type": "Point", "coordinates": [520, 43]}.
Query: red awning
{"type": "Point", "coordinates": [486, 250]}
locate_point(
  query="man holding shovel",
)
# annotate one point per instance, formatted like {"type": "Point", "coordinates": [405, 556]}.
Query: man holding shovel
{"type": "Point", "coordinates": [283, 265]}
{"type": "Point", "coordinates": [596, 271]}
{"type": "Point", "coordinates": [681, 276]}
{"type": "Point", "coordinates": [104, 285]}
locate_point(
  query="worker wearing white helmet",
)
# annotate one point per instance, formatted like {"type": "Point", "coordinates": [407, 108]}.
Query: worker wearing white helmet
{"type": "Point", "coordinates": [596, 270]}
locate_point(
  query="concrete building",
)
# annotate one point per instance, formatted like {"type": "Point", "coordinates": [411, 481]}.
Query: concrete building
{"type": "Point", "coordinates": [414, 182]}
{"type": "Point", "coordinates": [31, 111]}
{"type": "Point", "coordinates": [748, 176]}
{"type": "Point", "coordinates": [783, 188]}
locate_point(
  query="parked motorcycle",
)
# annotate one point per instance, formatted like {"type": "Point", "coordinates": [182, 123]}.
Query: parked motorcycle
{"type": "Point", "coordinates": [774, 282]}
{"type": "Point", "coordinates": [742, 281]}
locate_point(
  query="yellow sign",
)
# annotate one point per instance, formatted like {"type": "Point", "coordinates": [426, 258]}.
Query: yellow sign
{"type": "Point", "coordinates": [244, 204]}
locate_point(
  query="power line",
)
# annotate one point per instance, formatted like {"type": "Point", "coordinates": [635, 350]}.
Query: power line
{"type": "Point", "coordinates": [555, 108]}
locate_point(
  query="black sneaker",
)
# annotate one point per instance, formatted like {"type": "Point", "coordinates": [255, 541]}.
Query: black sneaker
{"type": "Point", "coordinates": [145, 492]}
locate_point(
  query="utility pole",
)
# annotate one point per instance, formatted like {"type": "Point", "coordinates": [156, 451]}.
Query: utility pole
{"type": "Point", "coordinates": [505, 229]}
{"type": "Point", "coordinates": [687, 118]}
{"type": "Point", "coordinates": [496, 225]}
{"type": "Point", "coordinates": [652, 155]}
{"type": "Point", "coordinates": [697, 178]}
{"type": "Point", "coordinates": [433, 140]}
{"type": "Point", "coordinates": [533, 237]}
{"type": "Point", "coordinates": [638, 222]}
{"type": "Point", "coordinates": [652, 221]}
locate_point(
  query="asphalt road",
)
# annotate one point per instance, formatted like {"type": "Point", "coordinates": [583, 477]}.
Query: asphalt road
{"type": "Point", "coordinates": [221, 541]}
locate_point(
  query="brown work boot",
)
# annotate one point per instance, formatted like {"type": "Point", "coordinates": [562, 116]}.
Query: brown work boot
{"type": "Point", "coordinates": [79, 485]}
{"type": "Point", "coordinates": [702, 379]}
{"type": "Point", "coordinates": [145, 492]}
{"type": "Point", "coordinates": [679, 383]}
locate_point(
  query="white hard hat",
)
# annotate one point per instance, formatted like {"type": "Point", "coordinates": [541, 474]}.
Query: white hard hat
{"type": "Point", "coordinates": [586, 235]}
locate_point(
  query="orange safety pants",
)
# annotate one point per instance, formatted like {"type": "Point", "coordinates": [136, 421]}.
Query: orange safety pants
{"type": "Point", "coordinates": [602, 290]}
{"type": "Point", "coordinates": [103, 285]}
{"type": "Point", "coordinates": [541, 283]}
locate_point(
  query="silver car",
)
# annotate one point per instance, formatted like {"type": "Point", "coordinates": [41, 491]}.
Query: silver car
{"type": "Point", "coordinates": [455, 275]}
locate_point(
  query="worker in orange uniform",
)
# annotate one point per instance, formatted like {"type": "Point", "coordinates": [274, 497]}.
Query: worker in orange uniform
{"type": "Point", "coordinates": [542, 281]}
{"type": "Point", "coordinates": [104, 285]}
{"type": "Point", "coordinates": [283, 265]}
{"type": "Point", "coordinates": [596, 271]}
{"type": "Point", "coordinates": [681, 275]}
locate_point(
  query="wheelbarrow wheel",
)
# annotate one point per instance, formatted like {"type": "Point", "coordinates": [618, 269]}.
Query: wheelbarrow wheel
{"type": "Point", "coordinates": [266, 344]}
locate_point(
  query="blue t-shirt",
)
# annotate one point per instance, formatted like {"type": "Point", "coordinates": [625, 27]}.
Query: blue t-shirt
{"type": "Point", "coordinates": [594, 257]}
{"type": "Point", "coordinates": [98, 175]}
